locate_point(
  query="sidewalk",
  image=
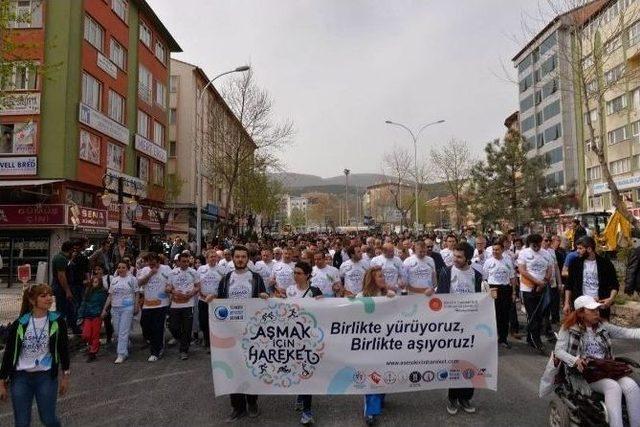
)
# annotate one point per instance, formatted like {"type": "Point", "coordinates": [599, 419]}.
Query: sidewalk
{"type": "Point", "coordinates": [10, 301]}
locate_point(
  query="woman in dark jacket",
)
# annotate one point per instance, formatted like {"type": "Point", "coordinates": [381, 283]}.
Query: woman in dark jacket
{"type": "Point", "coordinates": [36, 360]}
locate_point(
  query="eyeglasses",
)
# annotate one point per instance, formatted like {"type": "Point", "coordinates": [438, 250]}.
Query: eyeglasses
{"type": "Point", "coordinates": [298, 272]}
{"type": "Point", "coordinates": [429, 247]}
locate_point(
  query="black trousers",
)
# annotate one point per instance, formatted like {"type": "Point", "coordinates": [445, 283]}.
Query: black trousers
{"type": "Point", "coordinates": [460, 393]}
{"type": "Point", "coordinates": [503, 307]}
{"type": "Point", "coordinates": [533, 304]}
{"type": "Point", "coordinates": [108, 326]}
{"type": "Point", "coordinates": [552, 313]}
{"type": "Point", "coordinates": [306, 402]}
{"type": "Point", "coordinates": [180, 324]}
{"type": "Point", "coordinates": [152, 324]}
{"type": "Point", "coordinates": [203, 320]}
{"type": "Point", "coordinates": [240, 401]}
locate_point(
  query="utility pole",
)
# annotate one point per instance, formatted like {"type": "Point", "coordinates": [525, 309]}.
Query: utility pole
{"type": "Point", "coordinates": [346, 196]}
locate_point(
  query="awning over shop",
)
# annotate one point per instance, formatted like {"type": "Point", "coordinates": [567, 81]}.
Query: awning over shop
{"type": "Point", "coordinates": [28, 182]}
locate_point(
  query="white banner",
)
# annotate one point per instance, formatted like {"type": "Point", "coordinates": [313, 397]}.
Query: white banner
{"type": "Point", "coordinates": [18, 166]}
{"type": "Point", "coordinates": [353, 345]}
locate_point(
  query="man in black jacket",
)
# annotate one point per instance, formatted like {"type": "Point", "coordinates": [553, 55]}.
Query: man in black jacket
{"type": "Point", "coordinates": [242, 283]}
{"type": "Point", "coordinates": [632, 277]}
{"type": "Point", "coordinates": [591, 275]}
{"type": "Point", "coordinates": [437, 258]}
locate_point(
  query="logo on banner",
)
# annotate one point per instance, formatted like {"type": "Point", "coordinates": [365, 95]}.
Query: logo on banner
{"type": "Point", "coordinates": [435, 304]}
{"type": "Point", "coordinates": [415, 377]}
{"type": "Point", "coordinates": [283, 344]}
{"type": "Point", "coordinates": [468, 374]}
{"type": "Point", "coordinates": [390, 377]}
{"type": "Point", "coordinates": [375, 377]}
{"type": "Point", "coordinates": [221, 312]}
{"type": "Point", "coordinates": [443, 374]}
{"type": "Point", "coordinates": [359, 377]}
{"type": "Point", "coordinates": [428, 376]}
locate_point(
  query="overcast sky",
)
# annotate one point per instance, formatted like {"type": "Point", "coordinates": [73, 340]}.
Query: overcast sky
{"type": "Point", "coordinates": [340, 68]}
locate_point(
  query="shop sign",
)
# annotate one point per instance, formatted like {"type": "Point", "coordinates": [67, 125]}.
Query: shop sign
{"type": "Point", "coordinates": [131, 185]}
{"type": "Point", "coordinates": [20, 103]}
{"type": "Point", "coordinates": [32, 215]}
{"type": "Point", "coordinates": [107, 66]}
{"type": "Point", "coordinates": [150, 149]}
{"type": "Point", "coordinates": [81, 216]}
{"type": "Point", "coordinates": [98, 121]}
{"type": "Point", "coordinates": [622, 184]}
{"type": "Point", "coordinates": [18, 166]}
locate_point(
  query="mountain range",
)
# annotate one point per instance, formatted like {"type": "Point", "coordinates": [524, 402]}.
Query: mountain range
{"type": "Point", "coordinates": [294, 181]}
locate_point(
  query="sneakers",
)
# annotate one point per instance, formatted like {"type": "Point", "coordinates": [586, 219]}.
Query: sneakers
{"type": "Point", "coordinates": [370, 420]}
{"type": "Point", "coordinates": [505, 344]}
{"type": "Point", "coordinates": [452, 407]}
{"type": "Point", "coordinates": [236, 415]}
{"type": "Point", "coordinates": [152, 358]}
{"type": "Point", "coordinates": [119, 360]}
{"type": "Point", "coordinates": [184, 356]}
{"type": "Point", "coordinates": [253, 410]}
{"type": "Point", "coordinates": [467, 406]}
{"type": "Point", "coordinates": [172, 341]}
{"type": "Point", "coordinates": [307, 418]}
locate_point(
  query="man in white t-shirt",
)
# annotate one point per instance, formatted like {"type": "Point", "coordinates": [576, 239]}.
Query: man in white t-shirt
{"type": "Point", "coordinates": [264, 267]}
{"type": "Point", "coordinates": [480, 254]}
{"type": "Point", "coordinates": [391, 266]}
{"type": "Point", "coordinates": [225, 264]}
{"type": "Point", "coordinates": [153, 280]}
{"type": "Point", "coordinates": [277, 254]}
{"type": "Point", "coordinates": [352, 271]}
{"type": "Point", "coordinates": [184, 284]}
{"type": "Point", "coordinates": [447, 252]}
{"type": "Point", "coordinates": [500, 274]}
{"type": "Point", "coordinates": [535, 273]}
{"type": "Point", "coordinates": [282, 274]}
{"type": "Point", "coordinates": [210, 276]}
{"type": "Point", "coordinates": [419, 271]}
{"type": "Point", "coordinates": [325, 277]}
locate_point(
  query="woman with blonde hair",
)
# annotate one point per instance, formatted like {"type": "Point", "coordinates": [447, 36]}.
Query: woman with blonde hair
{"type": "Point", "coordinates": [373, 285]}
{"type": "Point", "coordinates": [36, 360]}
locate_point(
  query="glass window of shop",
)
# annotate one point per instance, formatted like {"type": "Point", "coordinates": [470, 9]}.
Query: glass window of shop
{"type": "Point", "coordinates": [16, 251]}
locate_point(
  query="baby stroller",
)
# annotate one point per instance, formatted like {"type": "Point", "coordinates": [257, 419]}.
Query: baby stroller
{"type": "Point", "coordinates": [575, 404]}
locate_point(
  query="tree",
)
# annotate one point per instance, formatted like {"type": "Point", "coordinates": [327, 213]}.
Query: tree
{"type": "Point", "coordinates": [258, 193]}
{"type": "Point", "coordinates": [453, 163]}
{"type": "Point", "coordinates": [507, 185]}
{"type": "Point", "coordinates": [173, 184]}
{"type": "Point", "coordinates": [297, 218]}
{"type": "Point", "coordinates": [322, 208]}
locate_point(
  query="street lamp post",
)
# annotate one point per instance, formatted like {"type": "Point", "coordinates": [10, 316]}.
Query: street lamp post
{"type": "Point", "coordinates": [198, 148]}
{"type": "Point", "coordinates": [346, 196]}
{"type": "Point", "coordinates": [414, 137]}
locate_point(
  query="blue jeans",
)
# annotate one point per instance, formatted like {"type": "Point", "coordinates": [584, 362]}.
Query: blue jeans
{"type": "Point", "coordinates": [373, 404]}
{"type": "Point", "coordinates": [67, 308]}
{"type": "Point", "coordinates": [121, 317]}
{"type": "Point", "coordinates": [24, 386]}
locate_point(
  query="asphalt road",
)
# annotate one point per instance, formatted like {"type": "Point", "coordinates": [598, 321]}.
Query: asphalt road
{"type": "Point", "coordinates": [172, 392]}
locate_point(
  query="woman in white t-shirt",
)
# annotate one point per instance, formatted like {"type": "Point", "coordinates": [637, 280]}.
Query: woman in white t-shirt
{"type": "Point", "coordinates": [122, 300]}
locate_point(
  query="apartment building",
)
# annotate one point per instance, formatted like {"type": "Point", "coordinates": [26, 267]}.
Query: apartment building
{"type": "Point", "coordinates": [85, 127]}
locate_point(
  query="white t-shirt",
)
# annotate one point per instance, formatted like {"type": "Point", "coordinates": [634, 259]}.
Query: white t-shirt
{"type": "Point", "coordinates": [536, 265]}
{"type": "Point", "coordinates": [123, 290]}
{"type": "Point", "coordinates": [550, 256]}
{"type": "Point", "coordinates": [447, 256]}
{"type": "Point", "coordinates": [480, 258]}
{"type": "Point", "coordinates": [498, 271]}
{"type": "Point", "coordinates": [209, 280]}
{"type": "Point", "coordinates": [353, 274]}
{"type": "Point", "coordinates": [184, 281]}
{"type": "Point", "coordinates": [264, 270]}
{"type": "Point", "coordinates": [324, 279]}
{"type": "Point", "coordinates": [418, 273]}
{"type": "Point", "coordinates": [294, 292]}
{"type": "Point", "coordinates": [224, 266]}
{"type": "Point", "coordinates": [154, 291]}
{"type": "Point", "coordinates": [462, 281]}
{"type": "Point", "coordinates": [590, 279]}
{"type": "Point", "coordinates": [35, 355]}
{"type": "Point", "coordinates": [241, 285]}
{"type": "Point", "coordinates": [283, 274]}
{"type": "Point", "coordinates": [391, 269]}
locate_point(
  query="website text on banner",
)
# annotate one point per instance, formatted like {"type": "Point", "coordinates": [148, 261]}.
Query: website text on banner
{"type": "Point", "coordinates": [353, 345]}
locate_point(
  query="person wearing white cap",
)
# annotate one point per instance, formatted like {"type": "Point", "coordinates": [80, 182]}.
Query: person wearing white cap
{"type": "Point", "coordinates": [585, 336]}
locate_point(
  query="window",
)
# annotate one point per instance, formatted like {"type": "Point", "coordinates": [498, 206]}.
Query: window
{"type": "Point", "coordinates": [554, 180]}
{"type": "Point", "coordinates": [617, 104]}
{"type": "Point", "coordinates": [635, 128]}
{"type": "Point", "coordinates": [89, 147]}
{"type": "Point", "coordinates": [25, 14]}
{"type": "Point", "coordinates": [115, 157]}
{"type": "Point", "coordinates": [620, 166]}
{"type": "Point", "coordinates": [145, 84]}
{"type": "Point", "coordinates": [91, 91]}
{"type": "Point", "coordinates": [145, 35]}
{"type": "Point", "coordinates": [537, 76]}
{"type": "Point", "coordinates": [635, 98]}
{"type": "Point", "coordinates": [548, 66]}
{"type": "Point", "coordinates": [538, 97]}
{"type": "Point", "coordinates": [540, 140]}
{"type": "Point", "coordinates": [116, 107]}
{"type": "Point", "coordinates": [535, 55]}
{"type": "Point", "coordinates": [554, 156]}
{"type": "Point", "coordinates": [93, 33]}
{"type": "Point", "coordinates": [592, 87]}
{"type": "Point", "coordinates": [143, 169]}
{"type": "Point", "coordinates": [594, 173]}
{"type": "Point", "coordinates": [172, 116]}
{"type": "Point", "coordinates": [161, 52]}
{"type": "Point", "coordinates": [617, 135]}
{"type": "Point", "coordinates": [614, 74]}
{"type": "Point", "coordinates": [23, 76]}
{"type": "Point", "coordinates": [524, 64]}
{"type": "Point", "coordinates": [548, 43]}
{"type": "Point", "coordinates": [539, 118]}
{"type": "Point", "coordinates": [634, 33]}
{"type": "Point", "coordinates": [550, 88]}
{"type": "Point", "coordinates": [172, 148]}
{"type": "Point", "coordinates": [552, 133]}
{"type": "Point", "coordinates": [612, 44]}
{"type": "Point", "coordinates": [595, 202]}
{"type": "Point", "coordinates": [526, 83]}
{"type": "Point", "coordinates": [173, 84]}
{"type": "Point", "coordinates": [591, 115]}
{"type": "Point", "coordinates": [158, 174]}
{"type": "Point", "coordinates": [120, 8]}
{"type": "Point", "coordinates": [118, 54]}
{"type": "Point", "coordinates": [81, 198]}
{"type": "Point", "coordinates": [552, 110]}
{"type": "Point", "coordinates": [588, 145]}
{"type": "Point", "coordinates": [527, 123]}
{"type": "Point", "coordinates": [161, 95]}
{"type": "Point", "coordinates": [18, 138]}
{"type": "Point", "coordinates": [158, 133]}
{"type": "Point", "coordinates": [143, 124]}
